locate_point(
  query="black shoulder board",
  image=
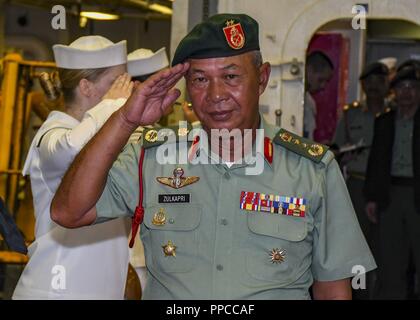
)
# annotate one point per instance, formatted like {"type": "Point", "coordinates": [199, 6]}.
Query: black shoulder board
{"type": "Point", "coordinates": [302, 146]}
{"type": "Point", "coordinates": [156, 136]}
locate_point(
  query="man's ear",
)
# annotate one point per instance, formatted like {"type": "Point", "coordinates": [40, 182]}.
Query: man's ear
{"type": "Point", "coordinates": [264, 76]}
{"type": "Point", "coordinates": [85, 87]}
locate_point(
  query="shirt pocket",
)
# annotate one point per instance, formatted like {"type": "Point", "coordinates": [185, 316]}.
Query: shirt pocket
{"type": "Point", "coordinates": [277, 233]}
{"type": "Point", "coordinates": [179, 229]}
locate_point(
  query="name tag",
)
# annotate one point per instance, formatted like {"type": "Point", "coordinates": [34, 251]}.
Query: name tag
{"type": "Point", "coordinates": [174, 198]}
{"type": "Point", "coordinates": [273, 204]}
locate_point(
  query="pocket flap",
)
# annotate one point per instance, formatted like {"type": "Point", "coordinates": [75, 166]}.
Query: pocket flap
{"type": "Point", "coordinates": [279, 226]}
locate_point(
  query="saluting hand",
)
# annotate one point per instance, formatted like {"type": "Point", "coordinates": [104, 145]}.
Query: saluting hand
{"type": "Point", "coordinates": [151, 98]}
{"type": "Point", "coordinates": [121, 87]}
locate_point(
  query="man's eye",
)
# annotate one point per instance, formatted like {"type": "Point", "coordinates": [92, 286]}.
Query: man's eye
{"type": "Point", "coordinates": [231, 76]}
{"type": "Point", "coordinates": [199, 79]}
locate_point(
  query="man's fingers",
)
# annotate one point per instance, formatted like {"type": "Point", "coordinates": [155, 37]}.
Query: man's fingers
{"type": "Point", "coordinates": [161, 79]}
{"type": "Point", "coordinates": [170, 99]}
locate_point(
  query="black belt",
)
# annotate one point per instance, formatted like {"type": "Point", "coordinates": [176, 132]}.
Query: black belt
{"type": "Point", "coordinates": [402, 181]}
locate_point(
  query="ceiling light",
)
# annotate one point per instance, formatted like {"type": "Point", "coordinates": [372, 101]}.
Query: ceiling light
{"type": "Point", "coordinates": [160, 8]}
{"type": "Point", "coordinates": [96, 15]}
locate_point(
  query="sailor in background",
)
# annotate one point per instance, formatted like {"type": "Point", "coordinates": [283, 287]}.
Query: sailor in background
{"type": "Point", "coordinates": [141, 64]}
{"type": "Point", "coordinates": [355, 132]}
{"type": "Point", "coordinates": [91, 262]}
{"type": "Point", "coordinates": [391, 63]}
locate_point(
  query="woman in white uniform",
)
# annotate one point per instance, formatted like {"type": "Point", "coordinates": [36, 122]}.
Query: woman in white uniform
{"type": "Point", "coordinates": [91, 262]}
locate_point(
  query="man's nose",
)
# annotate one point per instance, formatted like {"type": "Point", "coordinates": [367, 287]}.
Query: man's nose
{"type": "Point", "coordinates": [217, 91]}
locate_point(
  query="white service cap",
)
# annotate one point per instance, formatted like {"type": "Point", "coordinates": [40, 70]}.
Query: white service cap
{"type": "Point", "coordinates": [143, 61]}
{"type": "Point", "coordinates": [90, 52]}
{"type": "Point", "coordinates": [390, 62]}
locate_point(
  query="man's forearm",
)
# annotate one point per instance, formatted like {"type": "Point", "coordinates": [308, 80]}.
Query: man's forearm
{"type": "Point", "coordinates": [84, 182]}
{"type": "Point", "coordinates": [332, 290]}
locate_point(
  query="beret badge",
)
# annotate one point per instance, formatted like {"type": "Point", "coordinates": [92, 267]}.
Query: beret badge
{"type": "Point", "coordinates": [234, 34]}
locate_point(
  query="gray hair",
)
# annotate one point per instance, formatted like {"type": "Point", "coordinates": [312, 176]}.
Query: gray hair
{"type": "Point", "coordinates": [257, 58]}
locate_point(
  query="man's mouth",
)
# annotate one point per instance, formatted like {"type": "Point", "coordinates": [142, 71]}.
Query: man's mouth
{"type": "Point", "coordinates": [221, 115]}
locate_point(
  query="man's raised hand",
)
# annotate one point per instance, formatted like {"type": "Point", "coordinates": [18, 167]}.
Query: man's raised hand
{"type": "Point", "coordinates": [151, 98]}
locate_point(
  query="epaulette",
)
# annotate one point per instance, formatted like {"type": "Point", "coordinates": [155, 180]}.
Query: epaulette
{"type": "Point", "coordinates": [353, 105]}
{"type": "Point", "coordinates": [302, 146]}
{"type": "Point", "coordinates": [385, 111]}
{"type": "Point", "coordinates": [156, 136]}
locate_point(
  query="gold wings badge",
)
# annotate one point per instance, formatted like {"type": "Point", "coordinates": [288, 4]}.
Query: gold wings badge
{"type": "Point", "coordinates": [178, 180]}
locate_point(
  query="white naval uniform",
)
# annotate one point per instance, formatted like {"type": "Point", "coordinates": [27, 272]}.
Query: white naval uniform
{"type": "Point", "coordinates": [84, 263]}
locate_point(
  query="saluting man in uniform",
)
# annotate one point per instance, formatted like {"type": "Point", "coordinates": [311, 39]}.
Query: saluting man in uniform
{"type": "Point", "coordinates": [213, 231]}
{"type": "Point", "coordinates": [392, 187]}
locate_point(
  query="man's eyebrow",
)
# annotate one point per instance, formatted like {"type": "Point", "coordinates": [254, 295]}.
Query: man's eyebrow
{"type": "Point", "coordinates": [230, 66]}
{"type": "Point", "coordinates": [195, 70]}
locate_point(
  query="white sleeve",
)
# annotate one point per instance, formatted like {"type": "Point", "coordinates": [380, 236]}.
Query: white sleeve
{"type": "Point", "coordinates": [60, 146]}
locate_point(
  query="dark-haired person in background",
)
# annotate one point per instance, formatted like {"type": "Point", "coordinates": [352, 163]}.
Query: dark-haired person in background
{"type": "Point", "coordinates": [319, 70]}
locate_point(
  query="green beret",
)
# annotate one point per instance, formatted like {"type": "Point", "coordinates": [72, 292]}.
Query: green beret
{"type": "Point", "coordinates": [374, 68]}
{"type": "Point", "coordinates": [222, 35]}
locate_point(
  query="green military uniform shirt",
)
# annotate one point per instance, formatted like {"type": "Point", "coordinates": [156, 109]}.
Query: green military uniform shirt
{"type": "Point", "coordinates": [200, 244]}
{"type": "Point", "coordinates": [355, 125]}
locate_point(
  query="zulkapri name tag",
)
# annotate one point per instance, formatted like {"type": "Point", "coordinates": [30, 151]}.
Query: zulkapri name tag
{"type": "Point", "coordinates": [174, 198]}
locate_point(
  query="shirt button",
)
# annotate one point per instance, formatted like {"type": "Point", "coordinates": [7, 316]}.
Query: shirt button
{"type": "Point", "coordinates": [223, 222]}
{"type": "Point", "coordinates": [219, 267]}
{"type": "Point", "coordinates": [171, 221]}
